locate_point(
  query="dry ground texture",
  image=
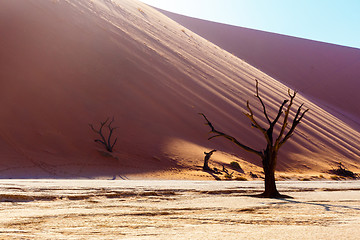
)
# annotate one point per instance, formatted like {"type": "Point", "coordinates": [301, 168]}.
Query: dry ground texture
{"type": "Point", "coordinates": [100, 209]}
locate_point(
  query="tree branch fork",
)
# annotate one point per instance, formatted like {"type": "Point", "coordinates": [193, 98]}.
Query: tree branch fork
{"type": "Point", "coordinates": [284, 110]}
{"type": "Point", "coordinates": [106, 141]}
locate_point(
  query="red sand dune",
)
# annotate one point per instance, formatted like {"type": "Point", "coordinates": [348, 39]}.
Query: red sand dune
{"type": "Point", "coordinates": [324, 72]}
{"type": "Point", "coordinates": [68, 63]}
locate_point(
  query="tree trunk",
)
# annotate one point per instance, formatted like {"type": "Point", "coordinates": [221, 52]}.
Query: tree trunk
{"type": "Point", "coordinates": [206, 164]}
{"type": "Point", "coordinates": [206, 160]}
{"type": "Point", "coordinates": [269, 164]}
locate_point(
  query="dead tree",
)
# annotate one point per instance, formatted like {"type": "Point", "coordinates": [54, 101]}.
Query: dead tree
{"type": "Point", "coordinates": [106, 141]}
{"type": "Point", "coordinates": [206, 160]}
{"type": "Point", "coordinates": [269, 154]}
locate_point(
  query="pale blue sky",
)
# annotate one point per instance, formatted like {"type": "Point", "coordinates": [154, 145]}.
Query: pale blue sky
{"type": "Point", "coordinates": [332, 21]}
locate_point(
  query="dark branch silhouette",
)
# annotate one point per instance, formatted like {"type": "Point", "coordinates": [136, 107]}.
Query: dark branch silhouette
{"type": "Point", "coordinates": [231, 138]}
{"type": "Point", "coordinates": [269, 154]}
{"type": "Point", "coordinates": [342, 171]}
{"type": "Point", "coordinates": [106, 141]}
{"type": "Point", "coordinates": [206, 160]}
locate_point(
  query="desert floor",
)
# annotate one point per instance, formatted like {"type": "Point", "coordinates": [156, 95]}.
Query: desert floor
{"type": "Point", "coordinates": [118, 209]}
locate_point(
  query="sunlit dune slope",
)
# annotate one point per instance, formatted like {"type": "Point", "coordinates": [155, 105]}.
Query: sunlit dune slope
{"type": "Point", "coordinates": [65, 64]}
{"type": "Point", "coordinates": [325, 72]}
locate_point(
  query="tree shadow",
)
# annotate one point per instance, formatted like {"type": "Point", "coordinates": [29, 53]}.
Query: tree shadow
{"type": "Point", "coordinates": [327, 207]}
{"type": "Point", "coordinates": [261, 195]}
{"type": "Point", "coordinates": [212, 173]}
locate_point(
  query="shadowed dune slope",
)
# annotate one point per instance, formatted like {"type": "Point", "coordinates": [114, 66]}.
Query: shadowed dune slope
{"type": "Point", "coordinates": [325, 72]}
{"type": "Point", "coordinates": [67, 63]}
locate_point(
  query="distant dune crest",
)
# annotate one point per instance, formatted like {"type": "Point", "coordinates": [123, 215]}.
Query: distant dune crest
{"type": "Point", "coordinates": [325, 72]}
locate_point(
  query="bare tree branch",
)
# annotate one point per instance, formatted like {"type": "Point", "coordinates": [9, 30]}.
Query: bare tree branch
{"type": "Point", "coordinates": [286, 117]}
{"type": "Point", "coordinates": [261, 101]}
{"type": "Point", "coordinates": [255, 124]}
{"type": "Point", "coordinates": [295, 122]}
{"type": "Point", "coordinates": [231, 138]}
{"type": "Point", "coordinates": [280, 112]}
{"type": "Point", "coordinates": [111, 129]}
{"type": "Point", "coordinates": [112, 146]}
{"type": "Point", "coordinates": [103, 141]}
{"type": "Point", "coordinates": [107, 143]}
{"type": "Point", "coordinates": [250, 115]}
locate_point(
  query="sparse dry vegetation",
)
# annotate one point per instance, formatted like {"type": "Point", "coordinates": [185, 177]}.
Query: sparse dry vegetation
{"type": "Point", "coordinates": [269, 154]}
{"type": "Point", "coordinates": [228, 176]}
{"type": "Point", "coordinates": [241, 178]}
{"type": "Point", "coordinates": [342, 171]}
{"type": "Point", "coordinates": [105, 140]}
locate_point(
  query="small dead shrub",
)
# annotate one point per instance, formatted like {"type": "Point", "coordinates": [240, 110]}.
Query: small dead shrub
{"type": "Point", "coordinates": [228, 176]}
{"type": "Point", "coordinates": [240, 178]}
{"type": "Point", "coordinates": [342, 171]}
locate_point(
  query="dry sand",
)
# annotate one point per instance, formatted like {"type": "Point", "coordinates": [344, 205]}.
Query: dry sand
{"type": "Point", "coordinates": [83, 209]}
{"type": "Point", "coordinates": [316, 69]}
{"type": "Point", "coordinates": [67, 63]}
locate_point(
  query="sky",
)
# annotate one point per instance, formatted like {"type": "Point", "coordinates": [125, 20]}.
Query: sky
{"type": "Point", "coordinates": [332, 21]}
